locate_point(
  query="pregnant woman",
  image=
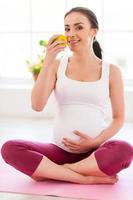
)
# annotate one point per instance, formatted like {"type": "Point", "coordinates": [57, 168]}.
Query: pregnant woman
{"type": "Point", "coordinates": [82, 150]}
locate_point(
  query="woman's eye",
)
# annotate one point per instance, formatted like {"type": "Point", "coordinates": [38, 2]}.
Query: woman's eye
{"type": "Point", "coordinates": [79, 27]}
{"type": "Point", "coordinates": [67, 29]}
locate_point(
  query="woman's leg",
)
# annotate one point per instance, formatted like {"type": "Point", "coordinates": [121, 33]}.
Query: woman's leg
{"type": "Point", "coordinates": [50, 170]}
{"type": "Point", "coordinates": [87, 166]}
{"type": "Point", "coordinates": [107, 160]}
{"type": "Point", "coordinates": [28, 157]}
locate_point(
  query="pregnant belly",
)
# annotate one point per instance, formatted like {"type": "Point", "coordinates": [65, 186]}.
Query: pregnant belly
{"type": "Point", "coordinates": [86, 119]}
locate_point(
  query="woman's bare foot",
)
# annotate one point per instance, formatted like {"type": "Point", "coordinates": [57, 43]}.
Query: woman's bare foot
{"type": "Point", "coordinates": [95, 179]}
{"type": "Point", "coordinates": [90, 180]}
{"type": "Point", "coordinates": [99, 180]}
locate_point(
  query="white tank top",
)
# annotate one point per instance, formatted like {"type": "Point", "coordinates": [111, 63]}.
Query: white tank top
{"type": "Point", "coordinates": [80, 105]}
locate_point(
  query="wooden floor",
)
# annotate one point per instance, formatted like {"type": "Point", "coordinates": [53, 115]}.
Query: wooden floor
{"type": "Point", "coordinates": [22, 128]}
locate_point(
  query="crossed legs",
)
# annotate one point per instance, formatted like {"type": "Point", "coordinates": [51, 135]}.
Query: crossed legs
{"type": "Point", "coordinates": [47, 161]}
{"type": "Point", "coordinates": [107, 160]}
{"type": "Point", "coordinates": [49, 170]}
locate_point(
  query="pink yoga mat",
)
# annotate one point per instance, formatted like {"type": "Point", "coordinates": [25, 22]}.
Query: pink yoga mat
{"type": "Point", "coordinates": [13, 181]}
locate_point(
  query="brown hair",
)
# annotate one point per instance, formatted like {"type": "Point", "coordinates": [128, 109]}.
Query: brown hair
{"type": "Point", "coordinates": [94, 24]}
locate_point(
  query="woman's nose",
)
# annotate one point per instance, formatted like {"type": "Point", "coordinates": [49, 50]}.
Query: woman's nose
{"type": "Point", "coordinates": [71, 33]}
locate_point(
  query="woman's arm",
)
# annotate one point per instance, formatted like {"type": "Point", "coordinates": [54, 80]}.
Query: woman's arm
{"type": "Point", "coordinates": [118, 106]}
{"type": "Point", "coordinates": [45, 82]}
{"type": "Point", "coordinates": [43, 86]}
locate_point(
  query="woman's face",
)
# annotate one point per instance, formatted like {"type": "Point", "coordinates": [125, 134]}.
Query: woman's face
{"type": "Point", "coordinates": [78, 30]}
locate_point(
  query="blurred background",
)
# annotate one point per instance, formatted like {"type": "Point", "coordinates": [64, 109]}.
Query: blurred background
{"type": "Point", "coordinates": [23, 23]}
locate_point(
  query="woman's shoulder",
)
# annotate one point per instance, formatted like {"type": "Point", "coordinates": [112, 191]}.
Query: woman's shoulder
{"type": "Point", "coordinates": [59, 61]}
{"type": "Point", "coordinates": [59, 64]}
{"type": "Point", "coordinates": [115, 72]}
{"type": "Point", "coordinates": [114, 68]}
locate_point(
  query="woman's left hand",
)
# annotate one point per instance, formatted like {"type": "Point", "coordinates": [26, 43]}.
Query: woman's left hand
{"type": "Point", "coordinates": [84, 144]}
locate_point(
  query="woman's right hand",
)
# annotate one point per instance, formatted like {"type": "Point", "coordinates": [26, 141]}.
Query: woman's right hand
{"type": "Point", "coordinates": [53, 48]}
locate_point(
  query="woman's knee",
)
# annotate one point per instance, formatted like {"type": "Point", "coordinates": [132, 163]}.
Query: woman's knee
{"type": "Point", "coordinates": [8, 150]}
{"type": "Point", "coordinates": [123, 150]}
{"type": "Point", "coordinates": [114, 156]}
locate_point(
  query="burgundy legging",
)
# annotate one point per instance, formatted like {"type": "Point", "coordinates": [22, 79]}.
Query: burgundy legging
{"type": "Point", "coordinates": [25, 156]}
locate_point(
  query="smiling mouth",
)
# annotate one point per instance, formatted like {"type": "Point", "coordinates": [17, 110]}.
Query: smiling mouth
{"type": "Point", "coordinates": [73, 41]}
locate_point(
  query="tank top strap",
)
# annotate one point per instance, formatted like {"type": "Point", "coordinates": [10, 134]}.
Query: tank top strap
{"type": "Point", "coordinates": [105, 71]}
{"type": "Point", "coordinates": [62, 66]}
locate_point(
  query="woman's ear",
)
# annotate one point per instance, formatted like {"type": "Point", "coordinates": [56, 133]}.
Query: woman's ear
{"type": "Point", "coordinates": [94, 32]}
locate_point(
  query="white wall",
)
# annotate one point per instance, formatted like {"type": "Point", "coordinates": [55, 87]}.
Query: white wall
{"type": "Point", "coordinates": [17, 102]}
{"type": "Point", "coordinates": [129, 104]}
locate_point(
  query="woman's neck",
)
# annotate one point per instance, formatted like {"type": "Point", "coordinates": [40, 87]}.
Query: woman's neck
{"type": "Point", "coordinates": [87, 58]}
